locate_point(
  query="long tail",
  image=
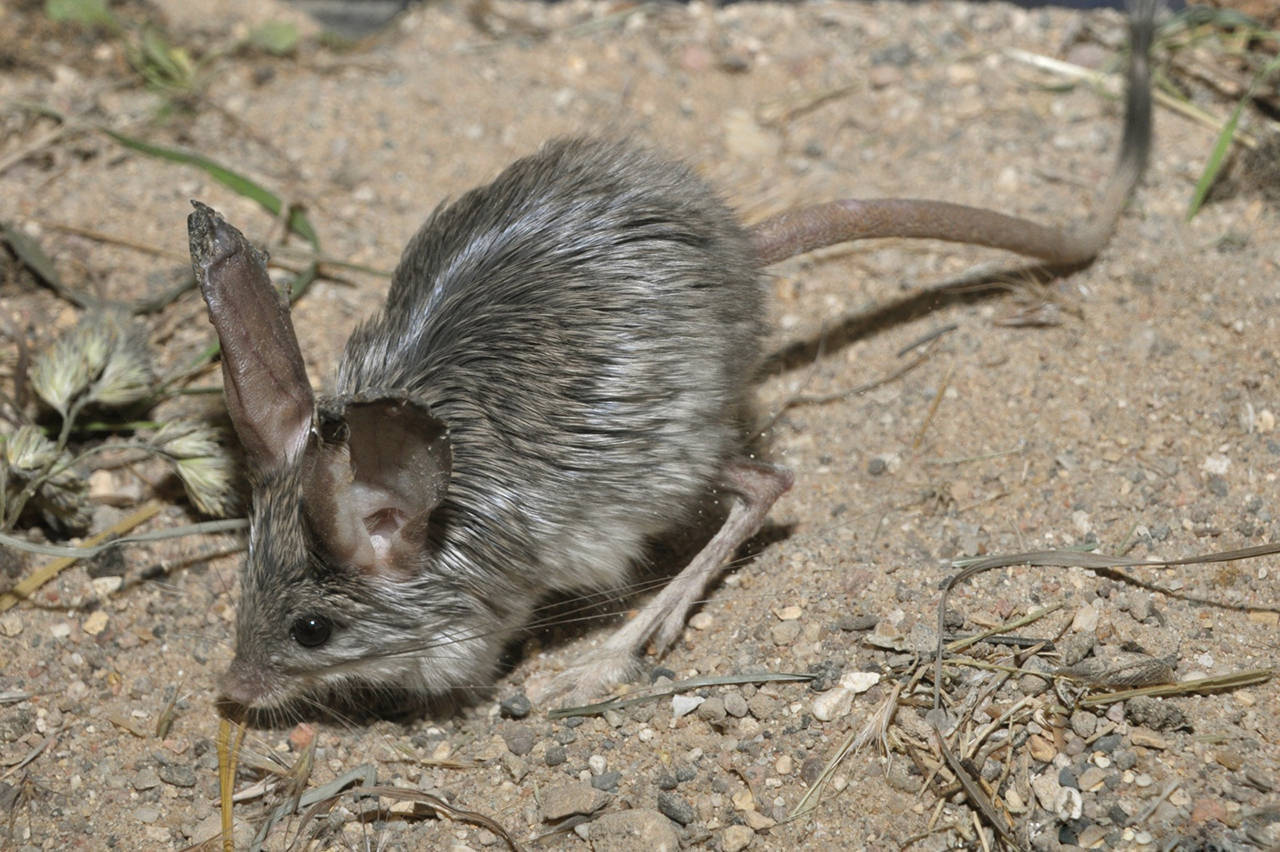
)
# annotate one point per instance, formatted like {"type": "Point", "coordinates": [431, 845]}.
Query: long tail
{"type": "Point", "coordinates": [808, 228]}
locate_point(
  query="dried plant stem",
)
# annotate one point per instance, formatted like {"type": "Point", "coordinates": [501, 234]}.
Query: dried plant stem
{"type": "Point", "coordinates": [44, 574]}
{"type": "Point", "coordinates": [227, 755]}
{"type": "Point", "coordinates": [1235, 680]}
{"type": "Point", "coordinates": [1077, 72]}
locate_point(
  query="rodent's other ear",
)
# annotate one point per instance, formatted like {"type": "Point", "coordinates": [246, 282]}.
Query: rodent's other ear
{"type": "Point", "coordinates": [370, 497]}
{"type": "Point", "coordinates": [268, 394]}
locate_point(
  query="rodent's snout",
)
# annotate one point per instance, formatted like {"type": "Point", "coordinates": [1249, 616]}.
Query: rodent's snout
{"type": "Point", "coordinates": [246, 685]}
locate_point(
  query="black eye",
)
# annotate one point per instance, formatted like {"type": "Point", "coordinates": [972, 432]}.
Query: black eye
{"type": "Point", "coordinates": [311, 631]}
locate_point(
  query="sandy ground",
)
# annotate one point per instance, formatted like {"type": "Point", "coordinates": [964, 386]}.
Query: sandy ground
{"type": "Point", "coordinates": [1128, 405]}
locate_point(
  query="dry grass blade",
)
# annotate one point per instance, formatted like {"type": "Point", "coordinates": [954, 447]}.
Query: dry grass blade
{"type": "Point", "coordinates": [33, 581]}
{"type": "Point", "coordinates": [126, 724]}
{"type": "Point", "coordinates": [1099, 562]}
{"type": "Point", "coordinates": [1138, 670]}
{"type": "Point", "coordinates": [441, 806]}
{"type": "Point", "coordinates": [170, 712]}
{"type": "Point", "coordinates": [1198, 686]}
{"type": "Point", "coordinates": [675, 689]}
{"type": "Point", "coordinates": [320, 799]}
{"type": "Point", "coordinates": [33, 257]}
{"type": "Point", "coordinates": [973, 791]}
{"type": "Point", "coordinates": [933, 408]}
{"type": "Point", "coordinates": [1076, 72]}
{"type": "Point", "coordinates": [34, 753]}
{"type": "Point", "coordinates": [97, 546]}
{"type": "Point", "coordinates": [876, 727]}
{"type": "Point", "coordinates": [325, 797]}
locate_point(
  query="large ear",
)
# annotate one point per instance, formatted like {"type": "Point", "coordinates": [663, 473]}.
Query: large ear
{"type": "Point", "coordinates": [268, 395]}
{"type": "Point", "coordinates": [370, 492]}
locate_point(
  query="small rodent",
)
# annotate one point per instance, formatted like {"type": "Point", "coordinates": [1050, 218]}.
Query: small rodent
{"type": "Point", "coordinates": [562, 372]}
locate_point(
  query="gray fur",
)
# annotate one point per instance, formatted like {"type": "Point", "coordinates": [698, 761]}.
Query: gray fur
{"type": "Point", "coordinates": [586, 327]}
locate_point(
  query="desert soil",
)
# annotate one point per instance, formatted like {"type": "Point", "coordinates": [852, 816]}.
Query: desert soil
{"type": "Point", "coordinates": [1129, 406]}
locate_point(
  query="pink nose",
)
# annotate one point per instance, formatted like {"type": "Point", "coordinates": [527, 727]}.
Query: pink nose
{"type": "Point", "coordinates": [246, 684]}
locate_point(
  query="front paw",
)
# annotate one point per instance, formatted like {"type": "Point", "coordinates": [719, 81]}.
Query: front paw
{"type": "Point", "coordinates": [587, 681]}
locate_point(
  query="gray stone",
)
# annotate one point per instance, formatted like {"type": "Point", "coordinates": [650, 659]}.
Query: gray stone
{"type": "Point", "coordinates": [676, 807]}
{"type": "Point", "coordinates": [179, 775]}
{"type": "Point", "coordinates": [519, 739]}
{"type": "Point", "coordinates": [636, 830]}
{"type": "Point", "coordinates": [574, 797]}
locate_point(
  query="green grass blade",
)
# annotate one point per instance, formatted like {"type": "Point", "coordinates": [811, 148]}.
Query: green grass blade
{"type": "Point", "coordinates": [1218, 157]}
{"type": "Point", "coordinates": [298, 222]}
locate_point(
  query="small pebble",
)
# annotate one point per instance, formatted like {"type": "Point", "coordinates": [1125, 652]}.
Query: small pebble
{"type": "Point", "coordinates": [788, 613]}
{"type": "Point", "coordinates": [735, 705]}
{"type": "Point", "coordinates": [785, 633]}
{"type": "Point", "coordinates": [712, 710]}
{"type": "Point", "coordinates": [519, 739]}
{"type": "Point", "coordinates": [597, 764]}
{"type": "Point", "coordinates": [666, 781]}
{"type": "Point", "coordinates": [607, 781]}
{"type": "Point", "coordinates": [826, 674]}
{"type": "Point", "coordinates": [675, 808]}
{"type": "Point", "coordinates": [95, 623]}
{"type": "Point", "coordinates": [763, 707]}
{"type": "Point", "coordinates": [1091, 779]}
{"type": "Point", "coordinates": [555, 755]}
{"type": "Point", "coordinates": [701, 621]}
{"type": "Point", "coordinates": [147, 814]}
{"type": "Point", "coordinates": [104, 587]}
{"type": "Point", "coordinates": [178, 775]}
{"type": "Point", "coordinates": [1046, 788]}
{"type": "Point", "coordinates": [1147, 739]}
{"type": "Point", "coordinates": [637, 828]}
{"type": "Point", "coordinates": [1107, 744]}
{"type": "Point", "coordinates": [516, 706]}
{"type": "Point", "coordinates": [683, 705]}
{"type": "Point", "coordinates": [1041, 749]}
{"type": "Point", "coordinates": [516, 767]}
{"type": "Point", "coordinates": [1084, 723]}
{"type": "Point", "coordinates": [783, 765]}
{"type": "Point", "coordinates": [1068, 804]}
{"type": "Point", "coordinates": [571, 798]}
{"type": "Point", "coordinates": [851, 623]}
{"type": "Point", "coordinates": [146, 779]}
{"type": "Point", "coordinates": [1229, 758]}
{"type": "Point", "coordinates": [735, 838]}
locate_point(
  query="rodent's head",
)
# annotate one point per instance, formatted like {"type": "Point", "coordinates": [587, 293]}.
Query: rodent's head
{"type": "Point", "coordinates": [342, 585]}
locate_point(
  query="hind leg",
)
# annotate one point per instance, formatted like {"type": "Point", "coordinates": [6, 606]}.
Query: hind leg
{"type": "Point", "coordinates": [756, 486]}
